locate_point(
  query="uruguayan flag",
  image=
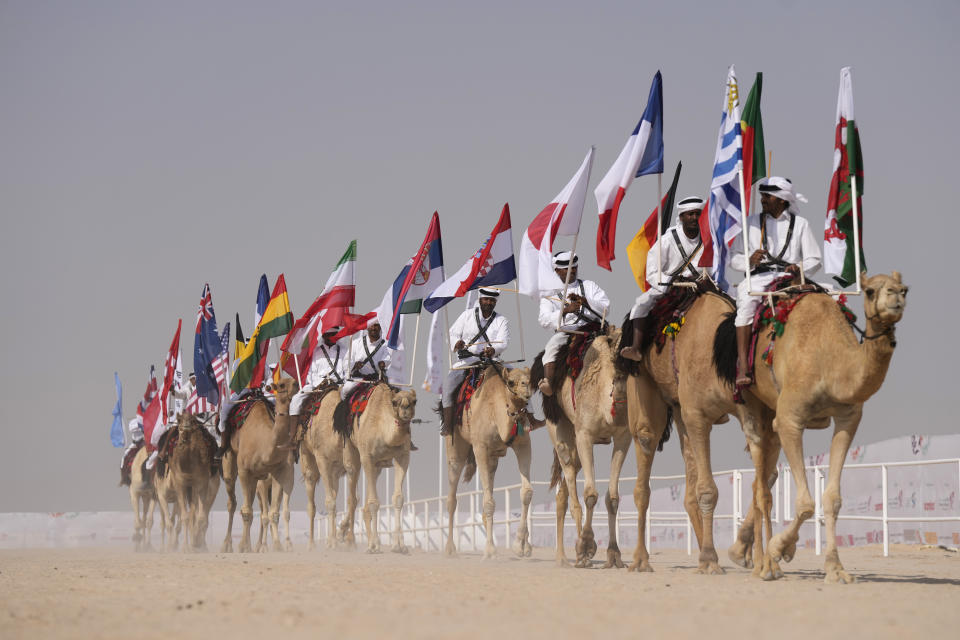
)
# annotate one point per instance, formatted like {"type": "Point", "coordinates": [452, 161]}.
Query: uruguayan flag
{"type": "Point", "coordinates": [725, 188]}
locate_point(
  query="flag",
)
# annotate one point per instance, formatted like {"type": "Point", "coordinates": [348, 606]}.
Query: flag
{"type": "Point", "coordinates": [239, 342]}
{"type": "Point", "coordinates": [838, 256]}
{"type": "Point", "coordinates": [354, 323]}
{"type": "Point", "coordinates": [640, 246]}
{"type": "Point", "coordinates": [433, 379]}
{"type": "Point", "coordinates": [724, 206]}
{"type": "Point", "coordinates": [206, 348]}
{"type": "Point", "coordinates": [155, 415]}
{"type": "Point", "coordinates": [419, 277]}
{"type": "Point", "coordinates": [275, 322]}
{"type": "Point", "coordinates": [559, 218]}
{"type": "Point", "coordinates": [328, 310]}
{"type": "Point", "coordinates": [200, 404]}
{"type": "Point", "coordinates": [751, 130]}
{"type": "Point", "coordinates": [492, 264]}
{"type": "Point", "coordinates": [148, 394]}
{"type": "Point", "coordinates": [642, 155]}
{"type": "Point", "coordinates": [116, 429]}
{"type": "Point", "coordinates": [263, 298]}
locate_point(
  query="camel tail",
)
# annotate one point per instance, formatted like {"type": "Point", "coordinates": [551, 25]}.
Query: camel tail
{"type": "Point", "coordinates": [725, 350]}
{"type": "Point", "coordinates": [667, 429]}
{"type": "Point", "coordinates": [556, 471]}
{"type": "Point", "coordinates": [341, 419]}
{"type": "Point", "coordinates": [471, 467]}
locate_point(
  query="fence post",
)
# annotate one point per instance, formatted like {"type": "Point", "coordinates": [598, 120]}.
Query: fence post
{"type": "Point", "coordinates": [817, 508]}
{"type": "Point", "coordinates": [886, 525]}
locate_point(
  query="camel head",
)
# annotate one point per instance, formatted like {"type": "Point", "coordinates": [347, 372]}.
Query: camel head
{"type": "Point", "coordinates": [283, 389]}
{"type": "Point", "coordinates": [187, 422]}
{"type": "Point", "coordinates": [404, 405]}
{"type": "Point", "coordinates": [885, 297]}
{"type": "Point", "coordinates": [518, 382]}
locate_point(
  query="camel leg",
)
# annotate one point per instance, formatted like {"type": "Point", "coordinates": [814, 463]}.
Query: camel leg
{"type": "Point", "coordinates": [249, 486]}
{"type": "Point", "coordinates": [641, 498]}
{"type": "Point", "coordinates": [169, 542]}
{"type": "Point", "coordinates": [371, 510]}
{"type": "Point", "coordinates": [690, 504]}
{"type": "Point", "coordinates": [784, 544]}
{"type": "Point", "coordinates": [351, 459]}
{"type": "Point", "coordinates": [845, 427]}
{"type": "Point", "coordinates": [487, 468]}
{"type": "Point", "coordinates": [562, 499]}
{"type": "Point", "coordinates": [457, 451]}
{"type": "Point", "coordinates": [186, 508]}
{"type": "Point", "coordinates": [586, 544]}
{"type": "Point", "coordinates": [137, 521]}
{"type": "Point", "coordinates": [400, 464]}
{"type": "Point", "coordinates": [699, 428]}
{"type": "Point", "coordinates": [311, 475]}
{"type": "Point", "coordinates": [331, 490]}
{"type": "Point", "coordinates": [286, 487]}
{"type": "Point", "coordinates": [207, 498]}
{"type": "Point", "coordinates": [149, 502]}
{"type": "Point", "coordinates": [621, 442]}
{"type": "Point", "coordinates": [229, 466]}
{"type": "Point", "coordinates": [263, 500]}
{"type": "Point", "coordinates": [521, 447]}
{"type": "Point", "coordinates": [771, 569]}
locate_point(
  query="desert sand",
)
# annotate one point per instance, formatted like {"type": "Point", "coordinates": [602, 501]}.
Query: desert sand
{"type": "Point", "coordinates": [113, 593]}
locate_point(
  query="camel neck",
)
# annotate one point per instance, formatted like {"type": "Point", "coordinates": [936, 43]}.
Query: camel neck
{"type": "Point", "coordinates": [868, 366]}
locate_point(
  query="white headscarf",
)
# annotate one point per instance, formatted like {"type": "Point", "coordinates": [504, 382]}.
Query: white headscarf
{"type": "Point", "coordinates": [783, 188]}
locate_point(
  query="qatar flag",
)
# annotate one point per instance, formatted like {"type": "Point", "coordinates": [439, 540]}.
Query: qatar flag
{"type": "Point", "coordinates": [559, 218]}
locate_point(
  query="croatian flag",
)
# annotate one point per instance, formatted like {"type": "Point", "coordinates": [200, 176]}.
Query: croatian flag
{"type": "Point", "coordinates": [559, 218]}
{"type": "Point", "coordinates": [642, 155]}
{"type": "Point", "coordinates": [206, 348]}
{"type": "Point", "coordinates": [419, 277]}
{"type": "Point", "coordinates": [492, 264]}
{"type": "Point", "coordinates": [724, 206]}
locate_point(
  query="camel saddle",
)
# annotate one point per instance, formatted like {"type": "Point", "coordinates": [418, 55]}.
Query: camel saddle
{"type": "Point", "coordinates": [571, 356]}
{"type": "Point", "coordinates": [351, 407]}
{"type": "Point", "coordinates": [471, 382]}
{"type": "Point", "coordinates": [311, 404]}
{"type": "Point", "coordinates": [126, 468]}
{"type": "Point", "coordinates": [669, 312]}
{"type": "Point", "coordinates": [241, 410]}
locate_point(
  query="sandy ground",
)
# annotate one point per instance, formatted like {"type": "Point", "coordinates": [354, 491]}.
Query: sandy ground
{"type": "Point", "coordinates": [112, 593]}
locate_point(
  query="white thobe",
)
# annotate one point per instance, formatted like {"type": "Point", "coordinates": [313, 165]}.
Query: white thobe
{"type": "Point", "coordinates": [359, 349]}
{"type": "Point", "coordinates": [329, 363]}
{"type": "Point", "coordinates": [467, 328]}
{"type": "Point", "coordinates": [671, 259]}
{"type": "Point", "coordinates": [551, 306]}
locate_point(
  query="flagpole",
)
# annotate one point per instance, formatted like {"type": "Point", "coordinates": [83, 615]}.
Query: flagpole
{"type": "Point", "coordinates": [446, 340]}
{"type": "Point", "coordinates": [523, 351]}
{"type": "Point", "coordinates": [413, 357]}
{"type": "Point", "coordinates": [659, 226]}
{"type": "Point", "coordinates": [743, 222]}
{"type": "Point", "coordinates": [856, 232]}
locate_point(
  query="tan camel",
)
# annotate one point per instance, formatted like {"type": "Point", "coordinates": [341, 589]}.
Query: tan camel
{"type": "Point", "coordinates": [256, 451]}
{"type": "Point", "coordinates": [680, 380]}
{"type": "Point", "coordinates": [592, 411]}
{"type": "Point", "coordinates": [820, 371]}
{"type": "Point", "coordinates": [381, 437]}
{"type": "Point", "coordinates": [322, 456]}
{"type": "Point", "coordinates": [143, 497]}
{"type": "Point", "coordinates": [170, 513]}
{"type": "Point", "coordinates": [494, 422]}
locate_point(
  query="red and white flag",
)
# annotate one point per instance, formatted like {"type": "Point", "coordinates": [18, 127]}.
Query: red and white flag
{"type": "Point", "coordinates": [155, 417]}
{"type": "Point", "coordinates": [561, 217]}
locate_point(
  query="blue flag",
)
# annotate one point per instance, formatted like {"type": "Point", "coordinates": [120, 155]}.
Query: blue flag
{"type": "Point", "coordinates": [652, 159]}
{"type": "Point", "coordinates": [263, 297]}
{"type": "Point", "coordinates": [116, 430]}
{"type": "Point", "coordinates": [206, 349]}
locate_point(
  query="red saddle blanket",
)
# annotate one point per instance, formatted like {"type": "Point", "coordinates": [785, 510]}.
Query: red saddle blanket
{"type": "Point", "coordinates": [471, 382]}
{"type": "Point", "coordinates": [241, 411]}
{"type": "Point", "coordinates": [358, 400]}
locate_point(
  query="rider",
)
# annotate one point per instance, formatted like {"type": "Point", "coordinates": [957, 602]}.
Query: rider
{"type": "Point", "coordinates": [679, 249]}
{"type": "Point", "coordinates": [586, 303]}
{"type": "Point", "coordinates": [370, 359]}
{"type": "Point", "coordinates": [780, 244]}
{"type": "Point", "coordinates": [479, 331]}
{"type": "Point", "coordinates": [327, 367]}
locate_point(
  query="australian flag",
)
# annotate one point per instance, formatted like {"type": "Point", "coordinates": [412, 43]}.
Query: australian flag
{"type": "Point", "coordinates": [206, 348]}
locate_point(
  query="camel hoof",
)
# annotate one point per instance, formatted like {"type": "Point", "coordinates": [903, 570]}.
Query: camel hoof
{"type": "Point", "coordinates": [277, 547]}
{"type": "Point", "coordinates": [586, 545]}
{"type": "Point", "coordinates": [287, 546]}
{"type": "Point", "coordinates": [778, 548]}
{"type": "Point", "coordinates": [737, 554]}
{"type": "Point", "coordinates": [401, 549]}
{"type": "Point", "coordinates": [372, 550]}
{"type": "Point", "coordinates": [838, 576]}
{"type": "Point", "coordinates": [789, 551]}
{"type": "Point", "coordinates": [710, 569]}
{"type": "Point", "coordinates": [613, 560]}
{"type": "Point", "coordinates": [226, 547]}
{"type": "Point", "coordinates": [641, 567]}
{"type": "Point", "coordinates": [563, 563]}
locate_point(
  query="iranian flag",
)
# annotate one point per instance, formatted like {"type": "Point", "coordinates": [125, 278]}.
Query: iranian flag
{"type": "Point", "coordinates": [751, 130]}
{"type": "Point", "coordinates": [838, 237]}
{"type": "Point", "coordinates": [330, 309]}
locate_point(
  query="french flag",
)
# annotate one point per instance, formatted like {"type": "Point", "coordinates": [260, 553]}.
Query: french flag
{"type": "Point", "coordinates": [419, 277]}
{"type": "Point", "coordinates": [642, 155]}
{"type": "Point", "coordinates": [492, 264]}
{"type": "Point", "coordinates": [559, 218]}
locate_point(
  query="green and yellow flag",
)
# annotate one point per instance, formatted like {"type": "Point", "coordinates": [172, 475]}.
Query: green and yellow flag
{"type": "Point", "coordinates": [275, 322]}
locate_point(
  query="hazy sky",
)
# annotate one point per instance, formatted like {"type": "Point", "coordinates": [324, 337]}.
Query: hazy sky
{"type": "Point", "coordinates": [147, 148]}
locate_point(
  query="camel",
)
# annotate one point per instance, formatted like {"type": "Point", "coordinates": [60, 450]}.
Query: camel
{"type": "Point", "coordinates": [493, 422]}
{"type": "Point", "coordinates": [820, 371]}
{"type": "Point", "coordinates": [596, 416]}
{"type": "Point", "coordinates": [679, 383]}
{"type": "Point", "coordinates": [322, 457]}
{"type": "Point", "coordinates": [143, 497]}
{"type": "Point", "coordinates": [257, 451]}
{"type": "Point", "coordinates": [381, 437]}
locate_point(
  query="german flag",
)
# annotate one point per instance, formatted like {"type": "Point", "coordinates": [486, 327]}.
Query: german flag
{"type": "Point", "coordinates": [646, 237]}
{"type": "Point", "coordinates": [276, 321]}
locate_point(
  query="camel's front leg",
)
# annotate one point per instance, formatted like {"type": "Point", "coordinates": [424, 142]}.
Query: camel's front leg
{"type": "Point", "coordinates": [207, 498]}
{"type": "Point", "coordinates": [166, 517]}
{"type": "Point", "coordinates": [400, 464]}
{"type": "Point", "coordinates": [521, 447]}
{"type": "Point", "coordinates": [699, 427]}
{"type": "Point", "coordinates": [351, 461]}
{"type": "Point", "coordinates": [229, 465]}
{"type": "Point", "coordinates": [586, 543]}
{"type": "Point", "coordinates": [690, 504]}
{"type": "Point", "coordinates": [784, 544]}
{"type": "Point", "coordinates": [487, 468]}
{"type": "Point", "coordinates": [641, 498]}
{"type": "Point", "coordinates": [137, 520]}
{"type": "Point", "coordinates": [186, 507]}
{"type": "Point", "coordinates": [457, 451]}
{"type": "Point", "coordinates": [371, 510]}
{"type": "Point", "coordinates": [149, 502]}
{"type": "Point", "coordinates": [562, 500]}
{"type": "Point", "coordinates": [844, 430]}
{"type": "Point", "coordinates": [249, 486]}
{"type": "Point", "coordinates": [311, 475]}
{"type": "Point", "coordinates": [283, 487]}
{"type": "Point", "coordinates": [621, 442]}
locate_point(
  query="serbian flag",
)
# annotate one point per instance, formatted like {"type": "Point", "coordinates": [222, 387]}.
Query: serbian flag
{"type": "Point", "coordinates": [559, 218]}
{"type": "Point", "coordinates": [422, 274]}
{"type": "Point", "coordinates": [838, 246]}
{"type": "Point", "coordinates": [328, 310]}
{"type": "Point", "coordinates": [155, 415]}
{"type": "Point", "coordinates": [492, 264]}
{"type": "Point", "coordinates": [751, 130]}
{"type": "Point", "coordinates": [642, 155]}
{"type": "Point", "coordinates": [647, 236]}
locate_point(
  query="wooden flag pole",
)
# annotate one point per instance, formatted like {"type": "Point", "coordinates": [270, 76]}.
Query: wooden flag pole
{"type": "Point", "coordinates": [413, 357]}
{"type": "Point", "coordinates": [523, 352]}
{"type": "Point", "coordinates": [856, 233]}
{"type": "Point", "coordinates": [296, 363]}
{"type": "Point", "coordinates": [446, 338]}
{"type": "Point", "coordinates": [743, 222]}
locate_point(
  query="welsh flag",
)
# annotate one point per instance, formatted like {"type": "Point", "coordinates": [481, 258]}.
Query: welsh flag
{"type": "Point", "coordinates": [751, 130]}
{"type": "Point", "coordinates": [838, 245]}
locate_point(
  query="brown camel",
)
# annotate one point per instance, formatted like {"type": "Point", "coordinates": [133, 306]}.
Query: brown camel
{"type": "Point", "coordinates": [591, 411]}
{"type": "Point", "coordinates": [494, 421]}
{"type": "Point", "coordinates": [260, 450]}
{"type": "Point", "coordinates": [680, 382]}
{"type": "Point", "coordinates": [322, 456]}
{"type": "Point", "coordinates": [381, 437]}
{"type": "Point", "coordinates": [820, 371]}
{"type": "Point", "coordinates": [143, 497]}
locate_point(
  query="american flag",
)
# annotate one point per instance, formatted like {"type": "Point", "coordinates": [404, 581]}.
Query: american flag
{"type": "Point", "coordinates": [221, 364]}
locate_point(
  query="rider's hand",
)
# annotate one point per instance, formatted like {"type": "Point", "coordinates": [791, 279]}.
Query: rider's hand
{"type": "Point", "coordinates": [758, 256]}
{"type": "Point", "coordinates": [459, 346]}
{"type": "Point", "coordinates": [488, 352]}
